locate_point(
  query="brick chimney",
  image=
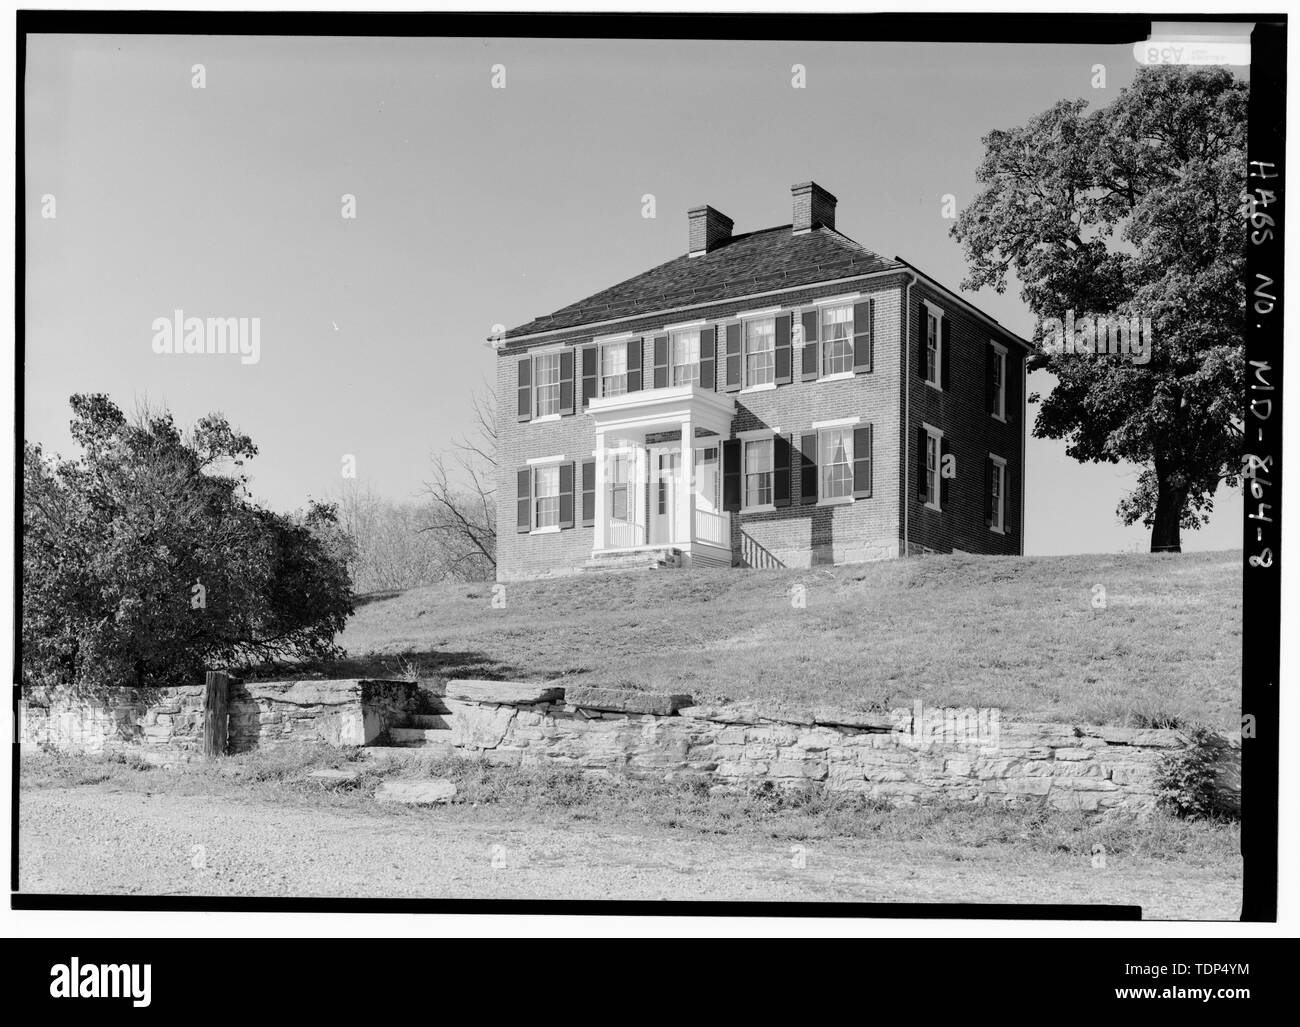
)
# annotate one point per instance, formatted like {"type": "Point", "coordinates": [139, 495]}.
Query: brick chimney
{"type": "Point", "coordinates": [709, 227]}
{"type": "Point", "coordinates": [814, 207]}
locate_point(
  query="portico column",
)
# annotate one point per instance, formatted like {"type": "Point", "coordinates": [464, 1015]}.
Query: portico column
{"type": "Point", "coordinates": [602, 515]}
{"type": "Point", "coordinates": [685, 519]}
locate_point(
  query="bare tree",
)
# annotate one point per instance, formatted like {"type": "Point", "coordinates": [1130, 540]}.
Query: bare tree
{"type": "Point", "coordinates": [463, 495]}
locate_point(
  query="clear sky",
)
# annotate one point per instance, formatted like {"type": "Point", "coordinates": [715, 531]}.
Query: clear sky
{"type": "Point", "coordinates": [475, 206]}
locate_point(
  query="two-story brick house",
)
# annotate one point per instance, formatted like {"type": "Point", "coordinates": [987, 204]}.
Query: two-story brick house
{"type": "Point", "coordinates": [838, 407]}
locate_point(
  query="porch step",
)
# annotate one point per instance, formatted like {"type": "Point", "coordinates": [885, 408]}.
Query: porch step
{"type": "Point", "coordinates": [641, 559]}
{"type": "Point", "coordinates": [419, 737]}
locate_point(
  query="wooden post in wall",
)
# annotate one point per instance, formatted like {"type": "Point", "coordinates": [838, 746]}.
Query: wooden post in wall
{"type": "Point", "coordinates": [215, 713]}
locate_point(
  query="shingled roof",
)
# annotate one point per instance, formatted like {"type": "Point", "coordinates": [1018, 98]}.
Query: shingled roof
{"type": "Point", "coordinates": [773, 258]}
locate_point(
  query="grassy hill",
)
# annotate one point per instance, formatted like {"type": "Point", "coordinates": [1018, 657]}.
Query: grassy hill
{"type": "Point", "coordinates": [1021, 634]}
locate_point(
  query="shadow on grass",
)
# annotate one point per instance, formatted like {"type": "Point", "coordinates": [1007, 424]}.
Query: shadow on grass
{"type": "Point", "coordinates": [412, 664]}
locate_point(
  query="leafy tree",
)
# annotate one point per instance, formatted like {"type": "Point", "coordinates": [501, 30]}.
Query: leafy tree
{"type": "Point", "coordinates": [1132, 209]}
{"type": "Point", "coordinates": [144, 561]}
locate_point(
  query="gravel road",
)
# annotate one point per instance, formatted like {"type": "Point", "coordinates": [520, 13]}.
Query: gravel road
{"type": "Point", "coordinates": [89, 840]}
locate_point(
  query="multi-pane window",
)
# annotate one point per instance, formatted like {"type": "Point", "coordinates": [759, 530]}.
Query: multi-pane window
{"type": "Point", "coordinates": [836, 462]}
{"type": "Point", "coordinates": [613, 369]}
{"type": "Point", "coordinates": [837, 340]}
{"type": "Point", "coordinates": [546, 492]}
{"type": "Point", "coordinates": [931, 347]}
{"type": "Point", "coordinates": [760, 352]}
{"type": "Point", "coordinates": [686, 357]}
{"type": "Point", "coordinates": [620, 489]}
{"type": "Point", "coordinates": [547, 374]}
{"type": "Point", "coordinates": [999, 383]}
{"type": "Point", "coordinates": [758, 472]}
{"type": "Point", "coordinates": [931, 469]}
{"type": "Point", "coordinates": [997, 489]}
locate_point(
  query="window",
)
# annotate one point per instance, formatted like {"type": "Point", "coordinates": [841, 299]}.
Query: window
{"type": "Point", "coordinates": [686, 357]}
{"type": "Point", "coordinates": [620, 492]}
{"type": "Point", "coordinates": [997, 493]}
{"type": "Point", "coordinates": [999, 383]}
{"type": "Point", "coordinates": [760, 352]}
{"type": "Point", "coordinates": [837, 340]}
{"type": "Point", "coordinates": [547, 375]}
{"type": "Point", "coordinates": [613, 369]}
{"type": "Point", "coordinates": [932, 471]}
{"type": "Point", "coordinates": [546, 493]}
{"type": "Point", "coordinates": [932, 354]}
{"type": "Point", "coordinates": [758, 473]}
{"type": "Point", "coordinates": [836, 462]}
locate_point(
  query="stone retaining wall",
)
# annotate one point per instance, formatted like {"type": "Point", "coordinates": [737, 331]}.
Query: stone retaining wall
{"type": "Point", "coordinates": [341, 712]}
{"type": "Point", "coordinates": [158, 724]}
{"type": "Point", "coordinates": [906, 756]}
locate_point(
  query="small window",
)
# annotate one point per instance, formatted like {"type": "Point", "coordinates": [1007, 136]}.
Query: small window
{"type": "Point", "coordinates": [932, 458]}
{"type": "Point", "coordinates": [547, 376]}
{"type": "Point", "coordinates": [997, 493]}
{"type": "Point", "coordinates": [836, 462]}
{"type": "Point", "coordinates": [932, 355]}
{"type": "Point", "coordinates": [999, 383]}
{"type": "Point", "coordinates": [837, 340]}
{"type": "Point", "coordinates": [546, 489]}
{"type": "Point", "coordinates": [620, 490]}
{"type": "Point", "coordinates": [760, 352]}
{"type": "Point", "coordinates": [686, 357]}
{"type": "Point", "coordinates": [758, 473]}
{"type": "Point", "coordinates": [613, 369]}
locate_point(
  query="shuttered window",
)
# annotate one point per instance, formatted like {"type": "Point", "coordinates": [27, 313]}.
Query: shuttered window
{"type": "Point", "coordinates": [613, 369]}
{"type": "Point", "coordinates": [997, 382]}
{"type": "Point", "coordinates": [760, 352]}
{"type": "Point", "coordinates": [758, 472]}
{"type": "Point", "coordinates": [546, 373]}
{"type": "Point", "coordinates": [997, 469]}
{"type": "Point", "coordinates": [836, 463]}
{"type": "Point", "coordinates": [931, 347]}
{"type": "Point", "coordinates": [837, 340]}
{"type": "Point", "coordinates": [932, 468]}
{"type": "Point", "coordinates": [546, 496]}
{"type": "Point", "coordinates": [686, 357]}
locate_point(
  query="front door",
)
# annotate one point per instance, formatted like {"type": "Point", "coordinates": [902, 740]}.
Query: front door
{"type": "Point", "coordinates": [663, 497]}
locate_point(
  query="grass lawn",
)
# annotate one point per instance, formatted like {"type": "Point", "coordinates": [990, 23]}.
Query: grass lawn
{"type": "Point", "coordinates": [1025, 635]}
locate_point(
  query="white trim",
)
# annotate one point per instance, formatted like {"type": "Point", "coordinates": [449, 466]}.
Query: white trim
{"type": "Point", "coordinates": [550, 529]}
{"type": "Point", "coordinates": [834, 501]}
{"type": "Point", "coordinates": [600, 340]}
{"type": "Point", "coordinates": [998, 459]}
{"type": "Point", "coordinates": [550, 349]}
{"type": "Point", "coordinates": [765, 387]}
{"type": "Point", "coordinates": [546, 418]}
{"type": "Point", "coordinates": [746, 315]}
{"type": "Point", "coordinates": [839, 376]}
{"type": "Point", "coordinates": [701, 323]}
{"type": "Point", "coordinates": [754, 434]}
{"type": "Point", "coordinates": [1001, 350]}
{"type": "Point", "coordinates": [843, 422]}
{"type": "Point", "coordinates": [932, 429]}
{"type": "Point", "coordinates": [837, 301]}
{"type": "Point", "coordinates": [933, 307]}
{"type": "Point", "coordinates": [1001, 462]}
{"type": "Point", "coordinates": [539, 461]}
{"type": "Point", "coordinates": [937, 435]}
{"type": "Point", "coordinates": [765, 508]}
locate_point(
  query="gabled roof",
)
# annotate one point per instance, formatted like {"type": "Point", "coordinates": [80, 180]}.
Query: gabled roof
{"type": "Point", "coordinates": [773, 258]}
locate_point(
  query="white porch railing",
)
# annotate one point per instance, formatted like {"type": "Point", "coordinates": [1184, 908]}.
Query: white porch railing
{"type": "Point", "coordinates": [623, 534]}
{"type": "Point", "coordinates": [712, 528]}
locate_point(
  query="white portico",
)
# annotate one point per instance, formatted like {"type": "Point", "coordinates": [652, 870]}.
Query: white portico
{"type": "Point", "coordinates": [659, 473]}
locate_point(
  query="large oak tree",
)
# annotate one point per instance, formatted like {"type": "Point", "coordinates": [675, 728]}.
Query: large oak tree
{"type": "Point", "coordinates": [1132, 209]}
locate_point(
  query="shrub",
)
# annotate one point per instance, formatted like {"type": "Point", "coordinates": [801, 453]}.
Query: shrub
{"type": "Point", "coordinates": [1185, 778]}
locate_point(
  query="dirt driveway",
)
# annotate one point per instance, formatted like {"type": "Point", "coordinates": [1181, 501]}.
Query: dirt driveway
{"type": "Point", "coordinates": [88, 840]}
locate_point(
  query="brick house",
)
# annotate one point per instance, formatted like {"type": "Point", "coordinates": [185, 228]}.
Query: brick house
{"type": "Point", "coordinates": [840, 407]}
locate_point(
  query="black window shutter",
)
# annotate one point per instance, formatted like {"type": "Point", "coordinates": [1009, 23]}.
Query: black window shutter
{"type": "Point", "coordinates": [661, 361]}
{"type": "Point", "coordinates": [922, 438]}
{"type": "Point", "coordinates": [783, 350]}
{"type": "Point", "coordinates": [731, 475]}
{"type": "Point", "coordinates": [808, 469]}
{"type": "Point", "coordinates": [990, 389]}
{"type": "Point", "coordinates": [862, 462]}
{"type": "Point", "coordinates": [1006, 500]}
{"type": "Point", "coordinates": [525, 409]}
{"type": "Point", "coordinates": [864, 318]}
{"type": "Point", "coordinates": [634, 348]}
{"type": "Point", "coordinates": [923, 352]}
{"type": "Point", "coordinates": [732, 381]}
{"type": "Point", "coordinates": [781, 470]}
{"type": "Point", "coordinates": [566, 382]}
{"type": "Point", "coordinates": [943, 482]}
{"type": "Point", "coordinates": [708, 351]}
{"type": "Point", "coordinates": [990, 468]}
{"type": "Point", "coordinates": [1010, 388]}
{"type": "Point", "coordinates": [945, 352]}
{"type": "Point", "coordinates": [566, 495]}
{"type": "Point", "coordinates": [808, 366]}
{"type": "Point", "coordinates": [590, 373]}
{"type": "Point", "coordinates": [588, 493]}
{"type": "Point", "coordinates": [523, 500]}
